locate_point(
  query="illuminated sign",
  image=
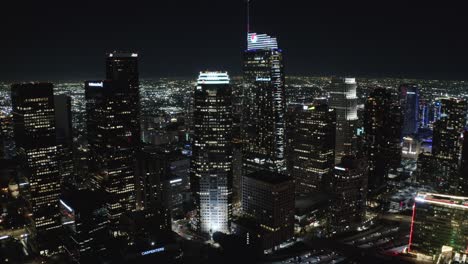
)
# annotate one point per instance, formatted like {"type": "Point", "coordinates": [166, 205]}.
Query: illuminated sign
{"type": "Point", "coordinates": [260, 79]}
{"type": "Point", "coordinates": [340, 168]}
{"type": "Point", "coordinates": [152, 251]}
{"type": "Point", "coordinates": [95, 84]}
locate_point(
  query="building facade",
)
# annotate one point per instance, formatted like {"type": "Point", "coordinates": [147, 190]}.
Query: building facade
{"type": "Point", "coordinates": [447, 144]}
{"type": "Point", "coordinates": [111, 143]}
{"type": "Point", "coordinates": [263, 121]}
{"type": "Point", "coordinates": [311, 157]}
{"type": "Point", "coordinates": [439, 221]}
{"type": "Point", "coordinates": [343, 99]}
{"type": "Point", "coordinates": [63, 128]}
{"type": "Point", "coordinates": [211, 164]}
{"type": "Point", "coordinates": [268, 198]}
{"type": "Point", "coordinates": [382, 128]}
{"type": "Point", "coordinates": [34, 132]}
{"type": "Point", "coordinates": [349, 195]}
{"type": "Point", "coordinates": [409, 101]}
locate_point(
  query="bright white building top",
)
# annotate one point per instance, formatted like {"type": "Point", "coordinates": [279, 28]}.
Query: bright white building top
{"type": "Point", "coordinates": [261, 41]}
{"type": "Point", "coordinates": [213, 78]}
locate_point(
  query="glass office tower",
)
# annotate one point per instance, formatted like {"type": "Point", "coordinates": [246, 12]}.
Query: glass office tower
{"type": "Point", "coordinates": [409, 101]}
{"type": "Point", "coordinates": [438, 221]}
{"type": "Point", "coordinates": [211, 164]}
{"type": "Point", "coordinates": [263, 124]}
{"type": "Point", "coordinates": [111, 143]}
{"type": "Point", "coordinates": [311, 136]}
{"type": "Point", "coordinates": [34, 131]}
{"type": "Point", "coordinates": [343, 99]}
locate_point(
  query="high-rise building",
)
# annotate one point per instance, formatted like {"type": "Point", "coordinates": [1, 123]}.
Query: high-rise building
{"type": "Point", "coordinates": [382, 128]}
{"type": "Point", "coordinates": [439, 222]}
{"type": "Point", "coordinates": [263, 128]}
{"type": "Point", "coordinates": [152, 181]}
{"type": "Point", "coordinates": [311, 156]}
{"type": "Point", "coordinates": [34, 130]}
{"type": "Point", "coordinates": [63, 129]}
{"type": "Point", "coordinates": [344, 100]}
{"type": "Point", "coordinates": [409, 101]}
{"type": "Point", "coordinates": [123, 67]}
{"type": "Point", "coordinates": [211, 164]}
{"type": "Point", "coordinates": [349, 192]}
{"type": "Point", "coordinates": [268, 198]}
{"type": "Point", "coordinates": [447, 144]}
{"type": "Point", "coordinates": [464, 166]}
{"type": "Point", "coordinates": [112, 143]}
{"type": "Point", "coordinates": [113, 131]}
{"type": "Point", "coordinates": [85, 224]}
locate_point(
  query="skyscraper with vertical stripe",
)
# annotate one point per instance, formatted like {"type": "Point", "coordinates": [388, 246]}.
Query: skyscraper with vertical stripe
{"type": "Point", "coordinates": [211, 164]}
{"type": "Point", "coordinates": [263, 124]}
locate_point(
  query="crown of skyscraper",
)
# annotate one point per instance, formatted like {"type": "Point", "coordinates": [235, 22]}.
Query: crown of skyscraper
{"type": "Point", "coordinates": [213, 78]}
{"type": "Point", "coordinates": [261, 42]}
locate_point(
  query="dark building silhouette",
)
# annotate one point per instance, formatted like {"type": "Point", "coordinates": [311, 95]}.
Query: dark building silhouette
{"type": "Point", "coordinates": [268, 198]}
{"type": "Point", "coordinates": [113, 131]}
{"type": "Point", "coordinates": [447, 144]}
{"type": "Point", "coordinates": [464, 166]}
{"type": "Point", "coordinates": [34, 131]}
{"type": "Point", "coordinates": [211, 164]}
{"type": "Point", "coordinates": [263, 130]}
{"type": "Point", "coordinates": [63, 129]}
{"type": "Point", "coordinates": [382, 128]}
{"type": "Point", "coordinates": [349, 191]}
{"type": "Point", "coordinates": [152, 182]}
{"type": "Point", "coordinates": [409, 101]}
{"type": "Point", "coordinates": [343, 99]}
{"type": "Point", "coordinates": [311, 157]}
{"type": "Point", "coordinates": [123, 67]}
{"type": "Point", "coordinates": [112, 144]}
{"type": "Point", "coordinates": [85, 224]}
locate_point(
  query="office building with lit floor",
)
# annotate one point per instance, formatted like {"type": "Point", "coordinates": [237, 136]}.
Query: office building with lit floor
{"type": "Point", "coordinates": [34, 132]}
{"type": "Point", "coordinates": [268, 199]}
{"type": "Point", "coordinates": [211, 164]}
{"type": "Point", "coordinates": [263, 128]}
{"type": "Point", "coordinates": [311, 151]}
{"type": "Point", "coordinates": [439, 223]}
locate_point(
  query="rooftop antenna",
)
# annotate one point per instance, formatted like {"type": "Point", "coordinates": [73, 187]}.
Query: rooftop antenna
{"type": "Point", "coordinates": [248, 17]}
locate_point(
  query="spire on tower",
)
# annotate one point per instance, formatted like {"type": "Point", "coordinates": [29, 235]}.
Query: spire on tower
{"type": "Point", "coordinates": [248, 16]}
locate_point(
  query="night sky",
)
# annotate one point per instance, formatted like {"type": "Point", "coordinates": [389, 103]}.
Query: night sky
{"type": "Point", "coordinates": [49, 40]}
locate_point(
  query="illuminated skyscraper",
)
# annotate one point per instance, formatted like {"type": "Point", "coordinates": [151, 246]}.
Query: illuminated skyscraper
{"type": "Point", "coordinates": [211, 165]}
{"type": "Point", "coordinates": [344, 100]}
{"type": "Point", "coordinates": [439, 221]}
{"type": "Point", "coordinates": [409, 101]}
{"type": "Point", "coordinates": [34, 130]}
{"type": "Point", "coordinates": [113, 126]}
{"type": "Point", "coordinates": [447, 144]}
{"type": "Point", "coordinates": [263, 128]}
{"type": "Point", "coordinates": [112, 145]}
{"type": "Point", "coordinates": [349, 192]}
{"type": "Point", "coordinates": [311, 158]}
{"type": "Point", "coordinates": [382, 128]}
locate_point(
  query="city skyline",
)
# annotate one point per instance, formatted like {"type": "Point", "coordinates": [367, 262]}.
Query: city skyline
{"type": "Point", "coordinates": [255, 167]}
